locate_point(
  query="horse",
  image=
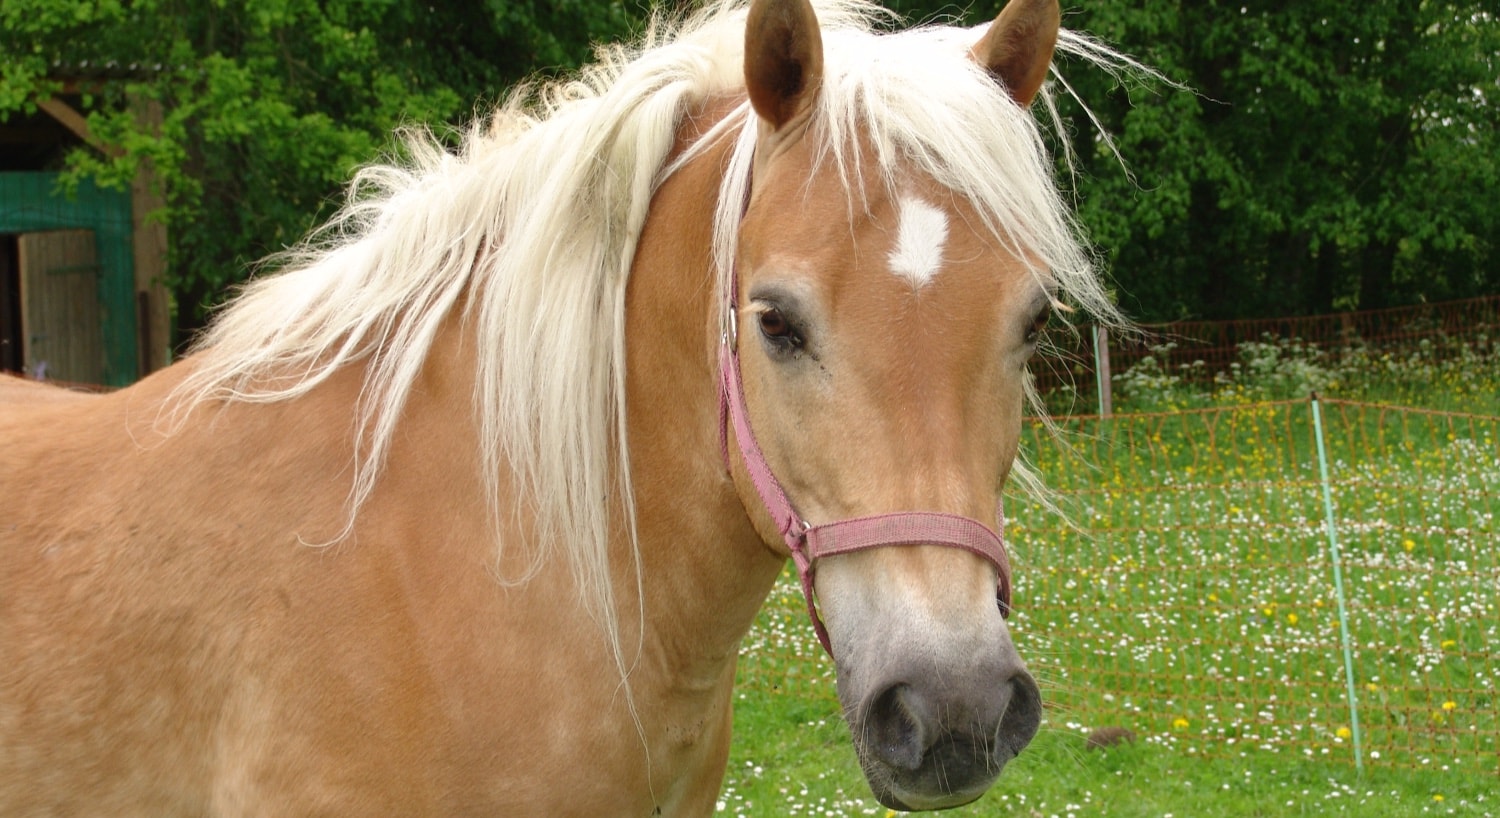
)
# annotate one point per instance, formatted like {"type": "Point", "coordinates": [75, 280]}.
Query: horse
{"type": "Point", "coordinates": [467, 509]}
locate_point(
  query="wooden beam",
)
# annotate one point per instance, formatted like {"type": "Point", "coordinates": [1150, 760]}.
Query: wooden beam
{"type": "Point", "coordinates": [77, 123]}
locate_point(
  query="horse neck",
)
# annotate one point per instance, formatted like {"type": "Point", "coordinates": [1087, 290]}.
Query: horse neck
{"type": "Point", "coordinates": [701, 560]}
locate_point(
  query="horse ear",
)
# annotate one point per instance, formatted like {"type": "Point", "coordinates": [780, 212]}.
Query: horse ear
{"type": "Point", "coordinates": [1018, 47]}
{"type": "Point", "coordinates": [783, 59]}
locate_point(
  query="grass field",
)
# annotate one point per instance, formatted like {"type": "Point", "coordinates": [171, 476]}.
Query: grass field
{"type": "Point", "coordinates": [792, 753]}
{"type": "Point", "coordinates": [1191, 600]}
{"type": "Point", "coordinates": [805, 766]}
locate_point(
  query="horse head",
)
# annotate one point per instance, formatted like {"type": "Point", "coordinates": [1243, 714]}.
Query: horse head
{"type": "Point", "coordinates": [880, 322]}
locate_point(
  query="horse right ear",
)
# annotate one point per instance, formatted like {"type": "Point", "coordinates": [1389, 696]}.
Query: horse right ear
{"type": "Point", "coordinates": [783, 59]}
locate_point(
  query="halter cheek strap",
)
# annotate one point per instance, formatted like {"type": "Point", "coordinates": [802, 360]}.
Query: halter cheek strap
{"type": "Point", "coordinates": [809, 543]}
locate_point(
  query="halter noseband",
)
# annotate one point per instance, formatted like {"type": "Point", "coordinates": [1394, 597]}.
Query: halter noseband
{"type": "Point", "coordinates": [808, 542]}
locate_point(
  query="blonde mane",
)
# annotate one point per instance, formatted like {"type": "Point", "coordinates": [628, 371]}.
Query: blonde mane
{"type": "Point", "coordinates": [532, 226]}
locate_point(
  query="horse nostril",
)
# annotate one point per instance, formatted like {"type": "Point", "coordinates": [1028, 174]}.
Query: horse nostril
{"type": "Point", "coordinates": [1023, 713]}
{"type": "Point", "coordinates": [895, 727]}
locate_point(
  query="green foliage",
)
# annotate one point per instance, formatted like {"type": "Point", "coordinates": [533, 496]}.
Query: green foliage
{"type": "Point", "coordinates": [269, 105]}
{"type": "Point", "coordinates": [1332, 155]}
{"type": "Point", "coordinates": [1335, 156]}
{"type": "Point", "coordinates": [1455, 374]}
{"type": "Point", "coordinates": [1267, 370]}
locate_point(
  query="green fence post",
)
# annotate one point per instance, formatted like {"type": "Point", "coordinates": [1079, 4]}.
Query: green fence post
{"type": "Point", "coordinates": [1338, 587]}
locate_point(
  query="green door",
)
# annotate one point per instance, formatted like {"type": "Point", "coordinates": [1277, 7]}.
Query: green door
{"type": "Point", "coordinates": [61, 319]}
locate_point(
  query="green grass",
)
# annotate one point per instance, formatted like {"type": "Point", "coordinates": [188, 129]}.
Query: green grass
{"type": "Point", "coordinates": [1191, 600]}
{"type": "Point", "coordinates": [784, 768]}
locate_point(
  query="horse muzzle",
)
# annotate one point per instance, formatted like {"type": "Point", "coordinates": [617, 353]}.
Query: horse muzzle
{"type": "Point", "coordinates": [929, 742]}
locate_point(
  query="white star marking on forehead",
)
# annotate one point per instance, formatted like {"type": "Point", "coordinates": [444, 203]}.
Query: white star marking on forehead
{"type": "Point", "coordinates": [921, 232]}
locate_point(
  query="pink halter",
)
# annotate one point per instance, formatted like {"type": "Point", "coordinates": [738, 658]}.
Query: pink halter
{"type": "Point", "coordinates": [809, 543]}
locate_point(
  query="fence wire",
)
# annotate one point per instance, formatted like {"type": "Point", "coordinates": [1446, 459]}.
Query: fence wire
{"type": "Point", "coordinates": [1186, 593]}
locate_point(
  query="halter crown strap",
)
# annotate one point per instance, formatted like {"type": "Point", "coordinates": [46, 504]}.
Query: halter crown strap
{"type": "Point", "coordinates": [808, 543]}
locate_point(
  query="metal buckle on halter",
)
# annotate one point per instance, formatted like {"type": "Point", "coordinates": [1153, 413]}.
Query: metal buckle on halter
{"type": "Point", "coordinates": [798, 528]}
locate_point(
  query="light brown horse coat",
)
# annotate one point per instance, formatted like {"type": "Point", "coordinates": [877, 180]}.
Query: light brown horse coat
{"type": "Point", "coordinates": [184, 632]}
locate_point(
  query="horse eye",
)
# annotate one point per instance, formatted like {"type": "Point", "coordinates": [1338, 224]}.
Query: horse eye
{"type": "Point", "coordinates": [775, 326]}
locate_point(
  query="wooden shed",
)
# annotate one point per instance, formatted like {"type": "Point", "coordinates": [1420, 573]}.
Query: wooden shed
{"type": "Point", "coordinates": [82, 296]}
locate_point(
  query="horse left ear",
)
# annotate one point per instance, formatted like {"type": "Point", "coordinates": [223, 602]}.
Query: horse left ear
{"type": "Point", "coordinates": [1018, 47]}
{"type": "Point", "coordinates": [783, 59]}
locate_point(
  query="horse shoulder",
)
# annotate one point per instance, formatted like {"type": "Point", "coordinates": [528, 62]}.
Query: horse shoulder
{"type": "Point", "coordinates": [143, 577]}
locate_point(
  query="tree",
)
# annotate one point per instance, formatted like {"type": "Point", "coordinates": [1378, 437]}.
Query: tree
{"type": "Point", "coordinates": [1333, 155]}
{"type": "Point", "coordinates": [270, 104]}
